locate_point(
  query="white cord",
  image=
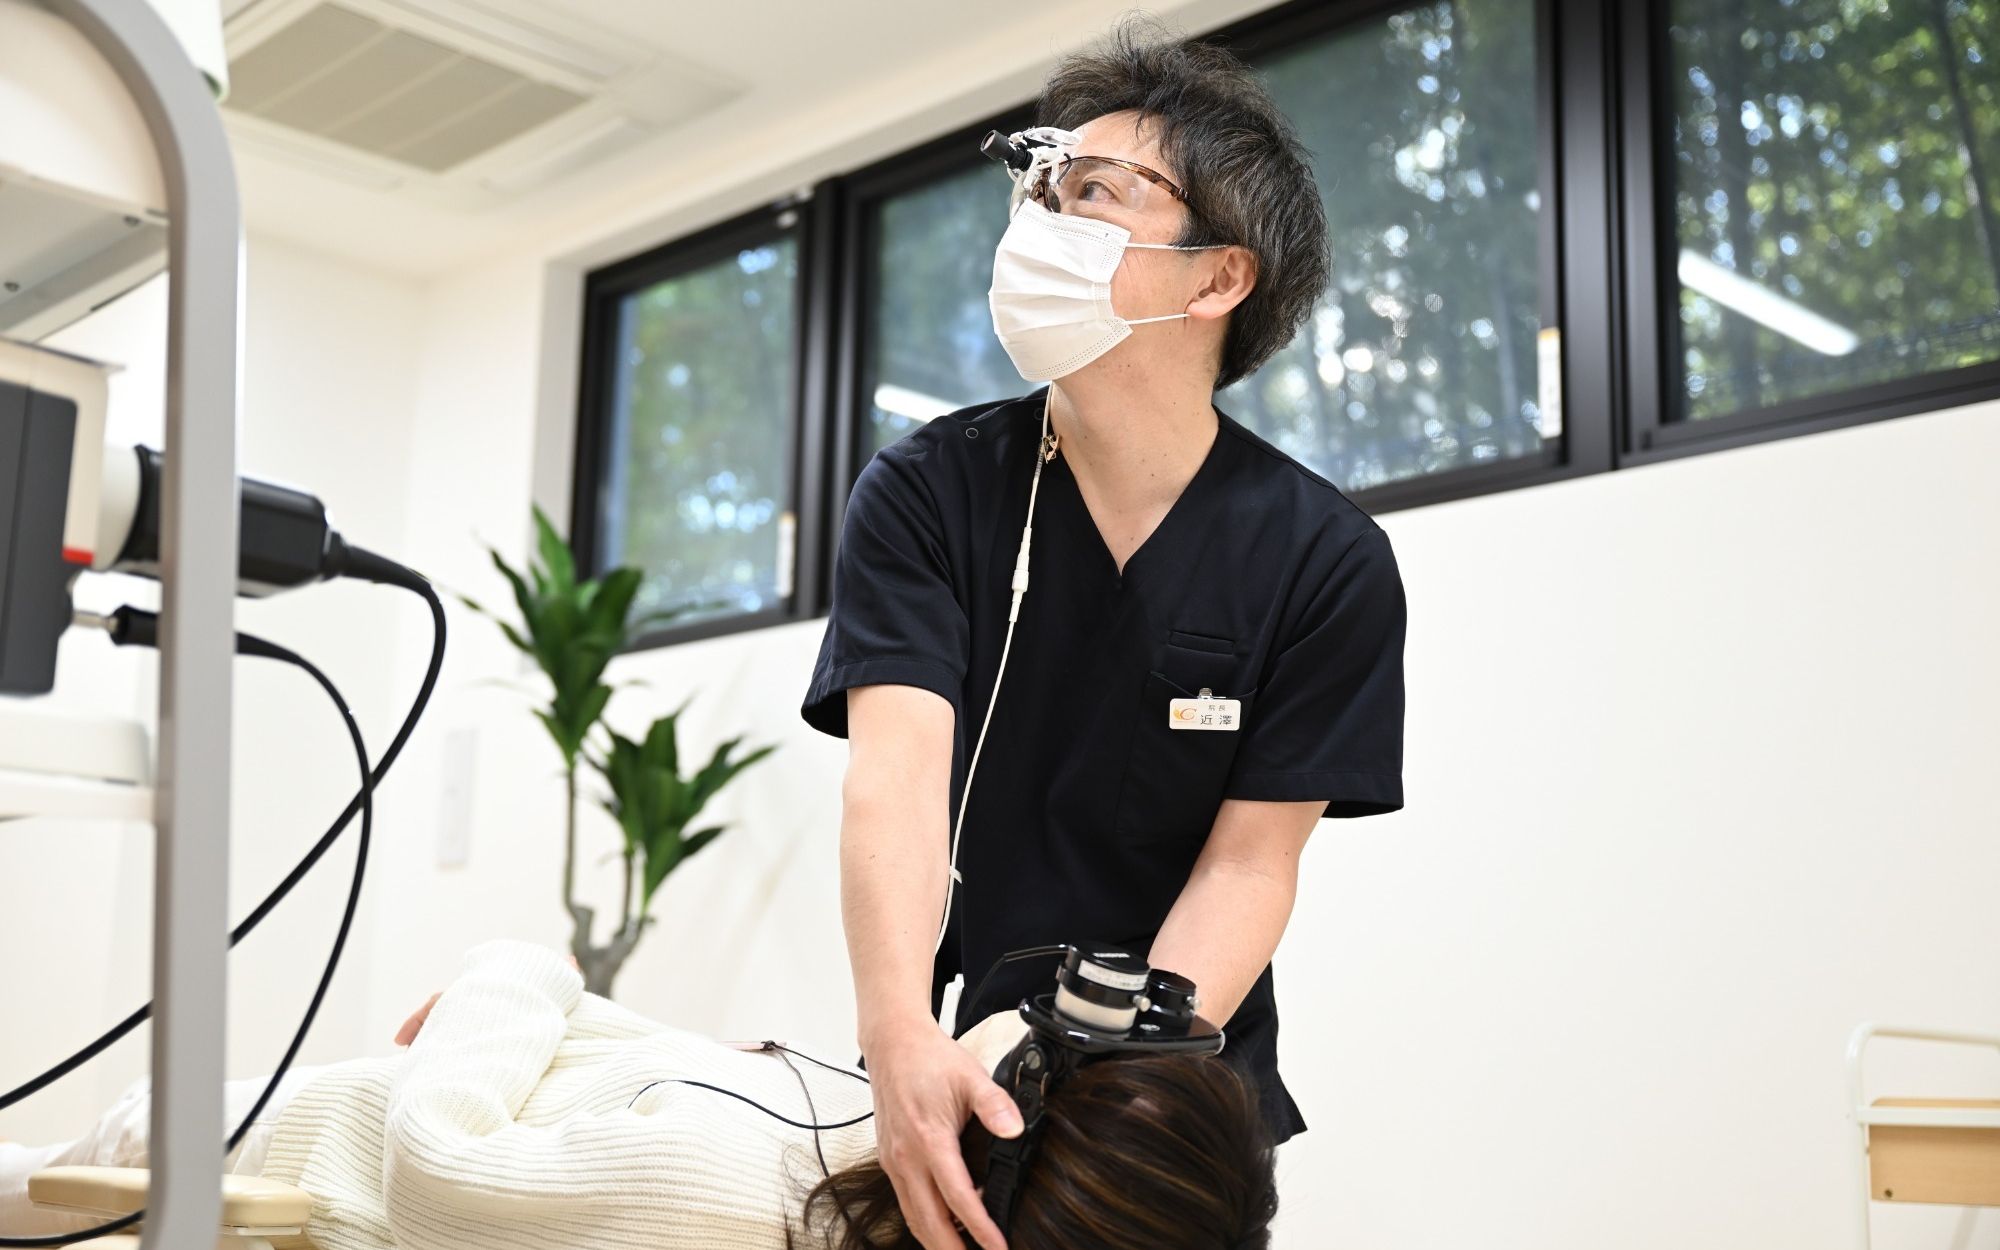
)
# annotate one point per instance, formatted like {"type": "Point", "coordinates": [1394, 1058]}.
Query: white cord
{"type": "Point", "coordinates": [1013, 614]}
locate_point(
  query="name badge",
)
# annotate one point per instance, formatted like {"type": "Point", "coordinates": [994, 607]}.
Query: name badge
{"type": "Point", "coordinates": [1204, 712]}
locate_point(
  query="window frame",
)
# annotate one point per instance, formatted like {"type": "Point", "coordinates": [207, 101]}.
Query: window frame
{"type": "Point", "coordinates": [1604, 155]}
{"type": "Point", "coordinates": [1585, 444]}
{"type": "Point", "coordinates": [860, 194]}
{"type": "Point", "coordinates": [1585, 439]}
{"type": "Point", "coordinates": [1650, 434]}
{"type": "Point", "coordinates": [605, 288]}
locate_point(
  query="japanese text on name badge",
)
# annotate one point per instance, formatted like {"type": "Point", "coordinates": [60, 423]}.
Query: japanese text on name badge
{"type": "Point", "coordinates": [1225, 714]}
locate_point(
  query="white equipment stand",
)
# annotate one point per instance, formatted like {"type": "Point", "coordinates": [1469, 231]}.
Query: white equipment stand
{"type": "Point", "coordinates": [1977, 1123]}
{"type": "Point", "coordinates": [190, 800]}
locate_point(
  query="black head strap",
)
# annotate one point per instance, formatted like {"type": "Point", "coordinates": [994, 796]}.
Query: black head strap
{"type": "Point", "coordinates": [1159, 1019]}
{"type": "Point", "coordinates": [1028, 1073]}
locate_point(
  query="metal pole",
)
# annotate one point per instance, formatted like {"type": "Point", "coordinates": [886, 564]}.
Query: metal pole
{"type": "Point", "coordinates": [197, 630]}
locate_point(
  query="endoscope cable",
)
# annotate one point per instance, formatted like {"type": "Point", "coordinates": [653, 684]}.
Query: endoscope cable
{"type": "Point", "coordinates": [352, 562]}
{"type": "Point", "coordinates": [133, 626]}
{"type": "Point", "coordinates": [1045, 451]}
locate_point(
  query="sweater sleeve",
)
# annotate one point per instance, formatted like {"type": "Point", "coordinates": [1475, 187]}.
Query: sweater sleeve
{"type": "Point", "coordinates": [481, 1052]}
{"type": "Point", "coordinates": [460, 1170]}
{"type": "Point", "coordinates": [454, 1159]}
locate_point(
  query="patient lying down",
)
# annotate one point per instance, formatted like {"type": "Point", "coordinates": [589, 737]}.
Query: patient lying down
{"type": "Point", "coordinates": [530, 1114]}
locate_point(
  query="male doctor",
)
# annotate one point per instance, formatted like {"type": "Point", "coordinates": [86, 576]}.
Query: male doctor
{"type": "Point", "coordinates": [1209, 659]}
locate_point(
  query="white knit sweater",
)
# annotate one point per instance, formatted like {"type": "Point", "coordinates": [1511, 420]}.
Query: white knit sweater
{"type": "Point", "coordinates": [526, 1116]}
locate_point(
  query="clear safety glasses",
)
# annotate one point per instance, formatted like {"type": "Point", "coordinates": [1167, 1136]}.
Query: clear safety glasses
{"type": "Point", "coordinates": [1087, 184]}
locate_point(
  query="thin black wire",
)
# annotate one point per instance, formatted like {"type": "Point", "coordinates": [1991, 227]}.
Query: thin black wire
{"type": "Point", "coordinates": [810, 1108]}
{"type": "Point", "coordinates": [298, 873]}
{"type": "Point", "coordinates": [717, 1089]}
{"type": "Point", "coordinates": [846, 1072]}
{"type": "Point", "coordinates": [367, 798]}
{"type": "Point", "coordinates": [1011, 957]}
{"type": "Point", "coordinates": [249, 644]}
{"type": "Point", "coordinates": [783, 1051]}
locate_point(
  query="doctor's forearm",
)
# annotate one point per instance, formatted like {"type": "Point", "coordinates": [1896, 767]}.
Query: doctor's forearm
{"type": "Point", "coordinates": [892, 885]}
{"type": "Point", "coordinates": [1226, 923]}
{"type": "Point", "coordinates": [1223, 930]}
{"type": "Point", "coordinates": [894, 851]}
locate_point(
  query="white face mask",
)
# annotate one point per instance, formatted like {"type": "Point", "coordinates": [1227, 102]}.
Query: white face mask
{"type": "Point", "coordinates": [1051, 293]}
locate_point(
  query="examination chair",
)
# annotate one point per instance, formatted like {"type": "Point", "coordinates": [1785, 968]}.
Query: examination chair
{"type": "Point", "coordinates": [257, 1214]}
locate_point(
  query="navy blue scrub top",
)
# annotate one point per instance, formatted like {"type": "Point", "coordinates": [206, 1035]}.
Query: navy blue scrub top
{"type": "Point", "coordinates": [1262, 584]}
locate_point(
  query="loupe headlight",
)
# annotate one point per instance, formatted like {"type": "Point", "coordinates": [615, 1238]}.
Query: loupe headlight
{"type": "Point", "coordinates": [1029, 155]}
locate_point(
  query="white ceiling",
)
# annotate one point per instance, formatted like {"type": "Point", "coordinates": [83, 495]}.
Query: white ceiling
{"type": "Point", "coordinates": [831, 86]}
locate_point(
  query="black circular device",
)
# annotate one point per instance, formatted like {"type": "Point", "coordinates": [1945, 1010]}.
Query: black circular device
{"type": "Point", "coordinates": [1171, 1005]}
{"type": "Point", "coordinates": [1101, 987]}
{"type": "Point", "coordinates": [1108, 1001]}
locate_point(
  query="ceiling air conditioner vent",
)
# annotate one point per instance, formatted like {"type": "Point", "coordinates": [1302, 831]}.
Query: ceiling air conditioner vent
{"type": "Point", "coordinates": [341, 76]}
{"type": "Point", "coordinates": [456, 103]}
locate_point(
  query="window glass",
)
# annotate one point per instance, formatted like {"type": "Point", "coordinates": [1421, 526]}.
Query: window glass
{"type": "Point", "coordinates": [701, 419]}
{"type": "Point", "coordinates": [1834, 174]}
{"type": "Point", "coordinates": [1421, 356]}
{"type": "Point", "coordinates": [931, 338]}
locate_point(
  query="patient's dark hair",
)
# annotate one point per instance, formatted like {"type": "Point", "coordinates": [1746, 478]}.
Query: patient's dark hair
{"type": "Point", "coordinates": [1246, 174]}
{"type": "Point", "coordinates": [1167, 1153]}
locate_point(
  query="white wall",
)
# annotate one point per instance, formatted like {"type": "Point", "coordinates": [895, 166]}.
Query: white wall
{"type": "Point", "coordinates": [1699, 778]}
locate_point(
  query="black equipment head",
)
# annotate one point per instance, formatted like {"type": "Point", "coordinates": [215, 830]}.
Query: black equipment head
{"type": "Point", "coordinates": [1107, 1004]}
{"type": "Point", "coordinates": [1004, 150]}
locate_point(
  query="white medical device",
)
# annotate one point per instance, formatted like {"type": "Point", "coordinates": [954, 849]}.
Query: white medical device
{"type": "Point", "coordinates": [113, 160]}
{"type": "Point", "coordinates": [83, 205]}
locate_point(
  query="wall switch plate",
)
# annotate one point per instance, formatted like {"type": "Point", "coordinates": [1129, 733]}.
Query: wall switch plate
{"type": "Point", "coordinates": [455, 797]}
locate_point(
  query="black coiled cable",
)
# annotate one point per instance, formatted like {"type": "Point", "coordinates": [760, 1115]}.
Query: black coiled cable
{"type": "Point", "coordinates": [130, 626]}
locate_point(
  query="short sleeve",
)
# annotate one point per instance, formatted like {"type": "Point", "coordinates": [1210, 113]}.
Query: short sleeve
{"type": "Point", "coordinates": [895, 619]}
{"type": "Point", "coordinates": [1328, 718]}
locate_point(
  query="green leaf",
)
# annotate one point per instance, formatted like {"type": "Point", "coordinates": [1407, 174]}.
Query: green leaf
{"type": "Point", "coordinates": [564, 743]}
{"type": "Point", "coordinates": [514, 637]}
{"type": "Point", "coordinates": [555, 553]}
{"type": "Point", "coordinates": [698, 839]}
{"type": "Point", "coordinates": [653, 804]}
{"type": "Point", "coordinates": [663, 744]}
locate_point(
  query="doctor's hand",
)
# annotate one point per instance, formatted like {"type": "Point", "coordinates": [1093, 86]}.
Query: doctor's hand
{"type": "Point", "coordinates": [926, 1087]}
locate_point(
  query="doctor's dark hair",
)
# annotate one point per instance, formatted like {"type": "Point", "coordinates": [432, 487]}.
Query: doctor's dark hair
{"type": "Point", "coordinates": [1247, 177]}
{"type": "Point", "coordinates": [1162, 1152]}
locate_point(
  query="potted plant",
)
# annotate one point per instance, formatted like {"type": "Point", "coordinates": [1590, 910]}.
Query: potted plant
{"type": "Point", "coordinates": [572, 629]}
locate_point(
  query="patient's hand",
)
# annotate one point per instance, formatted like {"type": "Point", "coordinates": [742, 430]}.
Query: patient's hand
{"type": "Point", "coordinates": [414, 1025]}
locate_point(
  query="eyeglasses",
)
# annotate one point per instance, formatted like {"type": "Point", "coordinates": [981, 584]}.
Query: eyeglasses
{"type": "Point", "coordinates": [1085, 183]}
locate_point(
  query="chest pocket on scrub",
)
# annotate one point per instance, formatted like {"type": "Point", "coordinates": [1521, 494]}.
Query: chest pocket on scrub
{"type": "Point", "coordinates": [1174, 778]}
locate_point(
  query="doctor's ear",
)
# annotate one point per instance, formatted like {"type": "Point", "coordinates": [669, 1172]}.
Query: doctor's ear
{"type": "Point", "coordinates": [1231, 277]}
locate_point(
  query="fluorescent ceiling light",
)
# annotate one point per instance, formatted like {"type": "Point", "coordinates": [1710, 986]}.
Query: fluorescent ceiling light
{"type": "Point", "coordinates": [1765, 307]}
{"type": "Point", "coordinates": [914, 404]}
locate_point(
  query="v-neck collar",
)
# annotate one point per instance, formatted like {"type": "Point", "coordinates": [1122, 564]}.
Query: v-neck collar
{"type": "Point", "coordinates": [1188, 503]}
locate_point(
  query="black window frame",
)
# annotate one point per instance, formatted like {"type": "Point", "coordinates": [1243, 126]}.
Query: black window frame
{"type": "Point", "coordinates": [861, 193]}
{"type": "Point", "coordinates": [1604, 154]}
{"type": "Point", "coordinates": [1584, 445]}
{"type": "Point", "coordinates": [604, 290]}
{"type": "Point", "coordinates": [1652, 343]}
